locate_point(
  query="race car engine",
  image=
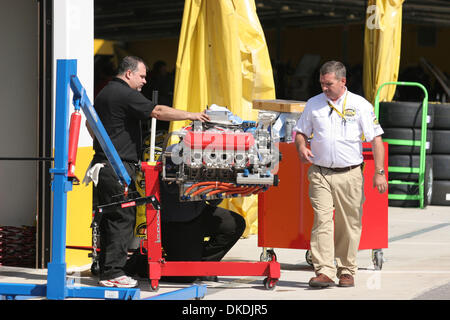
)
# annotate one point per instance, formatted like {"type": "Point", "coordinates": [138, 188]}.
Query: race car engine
{"type": "Point", "coordinates": [221, 159]}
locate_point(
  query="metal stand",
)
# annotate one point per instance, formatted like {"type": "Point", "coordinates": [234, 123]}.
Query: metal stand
{"type": "Point", "coordinates": [159, 267]}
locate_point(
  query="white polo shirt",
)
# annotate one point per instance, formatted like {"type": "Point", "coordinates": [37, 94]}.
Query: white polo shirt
{"type": "Point", "coordinates": [337, 137]}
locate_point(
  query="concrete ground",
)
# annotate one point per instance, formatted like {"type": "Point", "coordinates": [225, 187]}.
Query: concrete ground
{"type": "Point", "coordinates": [416, 266]}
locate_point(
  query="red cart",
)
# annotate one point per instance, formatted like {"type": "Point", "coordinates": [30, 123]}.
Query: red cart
{"type": "Point", "coordinates": [285, 215]}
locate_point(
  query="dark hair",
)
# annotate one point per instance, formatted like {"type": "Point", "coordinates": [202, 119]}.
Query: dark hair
{"type": "Point", "coordinates": [335, 67]}
{"type": "Point", "coordinates": [129, 63]}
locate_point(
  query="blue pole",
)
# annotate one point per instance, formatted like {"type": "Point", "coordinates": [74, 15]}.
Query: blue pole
{"type": "Point", "coordinates": [56, 287]}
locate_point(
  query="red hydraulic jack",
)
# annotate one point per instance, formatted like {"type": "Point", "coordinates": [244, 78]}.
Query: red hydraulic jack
{"type": "Point", "coordinates": [157, 265]}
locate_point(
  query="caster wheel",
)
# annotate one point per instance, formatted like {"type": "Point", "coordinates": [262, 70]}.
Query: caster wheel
{"type": "Point", "coordinates": [308, 257]}
{"type": "Point", "coordinates": [95, 268]}
{"type": "Point", "coordinates": [269, 256]}
{"type": "Point", "coordinates": [270, 284]}
{"type": "Point", "coordinates": [154, 286]}
{"type": "Point", "coordinates": [377, 259]}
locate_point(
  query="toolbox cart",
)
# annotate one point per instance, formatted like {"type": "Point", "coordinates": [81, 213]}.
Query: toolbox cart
{"type": "Point", "coordinates": [285, 215]}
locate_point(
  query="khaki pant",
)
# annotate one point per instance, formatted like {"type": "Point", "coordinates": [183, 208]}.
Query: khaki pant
{"type": "Point", "coordinates": [343, 193]}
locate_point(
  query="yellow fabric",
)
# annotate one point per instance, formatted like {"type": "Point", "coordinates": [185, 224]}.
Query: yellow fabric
{"type": "Point", "coordinates": [103, 47]}
{"type": "Point", "coordinates": [79, 213]}
{"type": "Point", "coordinates": [140, 229]}
{"type": "Point", "coordinates": [223, 60]}
{"type": "Point", "coordinates": [382, 43]}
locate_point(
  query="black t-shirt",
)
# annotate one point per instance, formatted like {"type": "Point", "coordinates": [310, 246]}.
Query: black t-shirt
{"type": "Point", "coordinates": [120, 108]}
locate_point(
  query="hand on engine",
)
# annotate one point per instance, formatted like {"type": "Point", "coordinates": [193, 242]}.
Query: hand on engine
{"type": "Point", "coordinates": [201, 116]}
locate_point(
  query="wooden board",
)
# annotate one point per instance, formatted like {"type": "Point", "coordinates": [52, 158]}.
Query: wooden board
{"type": "Point", "coordinates": [279, 105]}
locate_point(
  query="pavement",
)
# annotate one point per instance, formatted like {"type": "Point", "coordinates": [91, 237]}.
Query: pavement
{"type": "Point", "coordinates": [416, 267]}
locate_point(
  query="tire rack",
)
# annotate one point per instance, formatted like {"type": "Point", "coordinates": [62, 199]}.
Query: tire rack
{"type": "Point", "coordinates": [418, 187]}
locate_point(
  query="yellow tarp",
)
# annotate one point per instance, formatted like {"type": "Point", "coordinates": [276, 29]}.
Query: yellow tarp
{"type": "Point", "coordinates": [103, 47]}
{"type": "Point", "coordinates": [382, 43]}
{"type": "Point", "coordinates": [223, 60]}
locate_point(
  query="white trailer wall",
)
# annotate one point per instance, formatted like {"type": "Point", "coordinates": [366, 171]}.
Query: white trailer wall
{"type": "Point", "coordinates": [73, 38]}
{"type": "Point", "coordinates": [19, 110]}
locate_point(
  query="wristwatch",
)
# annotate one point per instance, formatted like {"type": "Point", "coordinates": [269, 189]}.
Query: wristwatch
{"type": "Point", "coordinates": [381, 171]}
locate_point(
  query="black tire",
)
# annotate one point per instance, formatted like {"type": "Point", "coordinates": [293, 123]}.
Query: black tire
{"type": "Point", "coordinates": [269, 284]}
{"type": "Point", "coordinates": [441, 193]}
{"type": "Point", "coordinates": [441, 141]}
{"type": "Point", "coordinates": [405, 160]}
{"type": "Point", "coordinates": [407, 189]}
{"type": "Point", "coordinates": [441, 166]}
{"type": "Point", "coordinates": [401, 114]}
{"type": "Point", "coordinates": [441, 116]}
{"type": "Point", "coordinates": [407, 134]}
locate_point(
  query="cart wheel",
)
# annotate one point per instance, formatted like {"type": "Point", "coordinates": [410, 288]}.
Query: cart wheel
{"type": "Point", "coordinates": [377, 258]}
{"type": "Point", "coordinates": [270, 283]}
{"type": "Point", "coordinates": [95, 268]}
{"type": "Point", "coordinates": [308, 257]}
{"type": "Point", "coordinates": [269, 256]}
{"type": "Point", "coordinates": [154, 285]}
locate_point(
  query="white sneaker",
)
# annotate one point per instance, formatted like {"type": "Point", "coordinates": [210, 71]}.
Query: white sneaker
{"type": "Point", "coordinates": [119, 282]}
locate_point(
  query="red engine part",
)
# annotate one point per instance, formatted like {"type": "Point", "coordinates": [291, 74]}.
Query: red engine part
{"type": "Point", "coordinates": [219, 140]}
{"type": "Point", "coordinates": [74, 133]}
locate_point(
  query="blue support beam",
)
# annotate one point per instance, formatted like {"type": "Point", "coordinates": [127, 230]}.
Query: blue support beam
{"type": "Point", "coordinates": [56, 277]}
{"type": "Point", "coordinates": [103, 293]}
{"type": "Point", "coordinates": [13, 290]}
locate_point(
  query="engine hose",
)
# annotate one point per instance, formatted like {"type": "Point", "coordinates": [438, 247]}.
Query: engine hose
{"type": "Point", "coordinates": [213, 186]}
{"type": "Point", "coordinates": [215, 192]}
{"type": "Point", "coordinates": [199, 184]}
{"type": "Point", "coordinates": [216, 189]}
{"type": "Point", "coordinates": [239, 191]}
{"type": "Point", "coordinates": [254, 191]}
{"type": "Point", "coordinates": [202, 190]}
{"type": "Point", "coordinates": [224, 189]}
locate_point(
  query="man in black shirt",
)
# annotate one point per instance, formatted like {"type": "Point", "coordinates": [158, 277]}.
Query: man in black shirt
{"type": "Point", "coordinates": [120, 106]}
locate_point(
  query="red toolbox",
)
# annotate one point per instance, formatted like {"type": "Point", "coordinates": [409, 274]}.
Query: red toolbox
{"type": "Point", "coordinates": [285, 215]}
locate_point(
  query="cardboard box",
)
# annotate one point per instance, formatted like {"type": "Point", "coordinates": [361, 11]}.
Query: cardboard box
{"type": "Point", "coordinates": [279, 105]}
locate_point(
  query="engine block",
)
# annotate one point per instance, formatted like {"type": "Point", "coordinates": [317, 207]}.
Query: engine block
{"type": "Point", "coordinates": [220, 159]}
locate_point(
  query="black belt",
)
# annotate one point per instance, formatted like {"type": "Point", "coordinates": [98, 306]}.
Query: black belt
{"type": "Point", "coordinates": [344, 169]}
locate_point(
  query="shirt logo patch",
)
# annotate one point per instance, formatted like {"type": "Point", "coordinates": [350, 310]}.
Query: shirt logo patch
{"type": "Point", "coordinates": [349, 114]}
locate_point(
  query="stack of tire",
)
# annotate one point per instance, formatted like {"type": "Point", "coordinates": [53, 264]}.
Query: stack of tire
{"type": "Point", "coordinates": [18, 246]}
{"type": "Point", "coordinates": [403, 120]}
{"type": "Point", "coordinates": [441, 154]}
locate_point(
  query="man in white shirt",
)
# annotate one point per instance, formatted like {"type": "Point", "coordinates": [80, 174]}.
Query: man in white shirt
{"type": "Point", "coordinates": [336, 122]}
